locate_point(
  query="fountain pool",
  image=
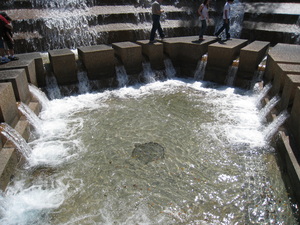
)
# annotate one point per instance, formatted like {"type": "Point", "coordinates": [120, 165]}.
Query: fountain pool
{"type": "Point", "coordinates": [218, 167]}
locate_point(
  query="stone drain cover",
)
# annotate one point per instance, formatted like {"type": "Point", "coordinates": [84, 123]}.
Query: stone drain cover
{"type": "Point", "coordinates": [148, 152]}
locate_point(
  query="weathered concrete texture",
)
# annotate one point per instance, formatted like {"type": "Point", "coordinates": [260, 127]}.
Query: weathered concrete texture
{"type": "Point", "coordinates": [154, 53]}
{"type": "Point", "coordinates": [220, 58]}
{"type": "Point", "coordinates": [8, 164]}
{"type": "Point", "coordinates": [292, 82]}
{"type": "Point", "coordinates": [130, 54]}
{"type": "Point", "coordinates": [99, 61]}
{"type": "Point", "coordinates": [294, 122]}
{"type": "Point", "coordinates": [280, 76]}
{"type": "Point", "coordinates": [19, 83]}
{"type": "Point", "coordinates": [250, 57]}
{"type": "Point", "coordinates": [186, 52]}
{"type": "Point", "coordinates": [39, 66]}
{"type": "Point", "coordinates": [281, 53]}
{"type": "Point", "coordinates": [8, 105]}
{"type": "Point", "coordinates": [23, 63]}
{"type": "Point", "coordinates": [64, 66]}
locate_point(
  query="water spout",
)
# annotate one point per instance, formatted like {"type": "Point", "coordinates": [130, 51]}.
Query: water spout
{"type": "Point", "coordinates": [200, 71]}
{"type": "Point", "coordinates": [52, 87]}
{"type": "Point", "coordinates": [84, 83]}
{"type": "Point", "coordinates": [148, 73]}
{"type": "Point", "coordinates": [268, 107]}
{"type": "Point", "coordinates": [170, 70]}
{"type": "Point", "coordinates": [231, 75]}
{"type": "Point", "coordinates": [12, 135]}
{"type": "Point", "coordinates": [31, 116]}
{"type": "Point", "coordinates": [273, 127]}
{"type": "Point", "coordinates": [122, 76]}
{"type": "Point", "coordinates": [41, 96]}
{"type": "Point", "coordinates": [263, 94]}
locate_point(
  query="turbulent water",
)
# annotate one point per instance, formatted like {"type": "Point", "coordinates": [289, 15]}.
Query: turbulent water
{"type": "Point", "coordinates": [217, 169]}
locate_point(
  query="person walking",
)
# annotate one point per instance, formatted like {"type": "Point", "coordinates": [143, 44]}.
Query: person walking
{"type": "Point", "coordinates": [203, 13]}
{"type": "Point", "coordinates": [226, 20]}
{"type": "Point", "coordinates": [156, 12]}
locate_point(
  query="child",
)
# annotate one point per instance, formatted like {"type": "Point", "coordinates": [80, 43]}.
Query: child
{"type": "Point", "coordinates": [8, 39]}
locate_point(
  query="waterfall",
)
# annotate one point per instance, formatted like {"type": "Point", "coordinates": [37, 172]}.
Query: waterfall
{"type": "Point", "coordinates": [148, 73]}
{"type": "Point", "coordinates": [170, 70]}
{"type": "Point", "coordinates": [231, 75]}
{"type": "Point", "coordinates": [263, 94]}
{"type": "Point", "coordinates": [268, 107]}
{"type": "Point", "coordinates": [52, 87]}
{"type": "Point", "coordinates": [273, 127]}
{"type": "Point", "coordinates": [12, 135]}
{"type": "Point", "coordinates": [200, 71]}
{"type": "Point", "coordinates": [83, 82]}
{"type": "Point", "coordinates": [41, 96]}
{"type": "Point", "coordinates": [30, 116]}
{"type": "Point", "coordinates": [122, 76]}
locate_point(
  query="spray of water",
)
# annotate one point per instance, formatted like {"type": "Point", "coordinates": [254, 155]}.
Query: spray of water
{"type": "Point", "coordinates": [40, 95]}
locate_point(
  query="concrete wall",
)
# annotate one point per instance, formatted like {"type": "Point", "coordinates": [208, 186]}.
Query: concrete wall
{"type": "Point", "coordinates": [282, 70]}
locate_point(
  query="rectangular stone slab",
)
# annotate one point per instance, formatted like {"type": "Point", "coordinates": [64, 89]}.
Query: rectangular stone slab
{"type": "Point", "coordinates": [99, 61]}
{"type": "Point", "coordinates": [130, 55]}
{"type": "Point", "coordinates": [8, 105]}
{"type": "Point", "coordinates": [292, 82]}
{"type": "Point", "coordinates": [19, 83]}
{"type": "Point", "coordinates": [294, 122]}
{"type": "Point", "coordinates": [23, 63]}
{"type": "Point", "coordinates": [64, 66]}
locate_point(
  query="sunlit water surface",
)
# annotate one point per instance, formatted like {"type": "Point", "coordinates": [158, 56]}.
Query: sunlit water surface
{"type": "Point", "coordinates": [218, 168]}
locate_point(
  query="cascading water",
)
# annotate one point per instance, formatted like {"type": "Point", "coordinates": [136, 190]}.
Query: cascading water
{"type": "Point", "coordinates": [148, 73]}
{"type": "Point", "coordinates": [30, 116]}
{"type": "Point", "coordinates": [122, 76]}
{"type": "Point", "coordinates": [274, 126]}
{"type": "Point", "coordinates": [83, 82]}
{"type": "Point", "coordinates": [218, 167]}
{"type": "Point", "coordinates": [268, 107]}
{"type": "Point", "coordinates": [200, 70]}
{"type": "Point", "coordinates": [41, 96]}
{"type": "Point", "coordinates": [231, 75]}
{"type": "Point", "coordinates": [263, 94]}
{"type": "Point", "coordinates": [52, 88]}
{"type": "Point", "coordinates": [170, 70]}
{"type": "Point", "coordinates": [13, 136]}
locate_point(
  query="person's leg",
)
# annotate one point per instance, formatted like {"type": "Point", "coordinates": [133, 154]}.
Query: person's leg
{"type": "Point", "coordinates": [203, 29]}
{"type": "Point", "coordinates": [155, 26]}
{"type": "Point", "coordinates": [221, 28]}
{"type": "Point", "coordinates": [227, 30]}
{"type": "Point", "coordinates": [160, 30]}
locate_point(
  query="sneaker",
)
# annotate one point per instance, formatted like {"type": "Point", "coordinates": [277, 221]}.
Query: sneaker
{"type": "Point", "coordinates": [13, 58]}
{"type": "Point", "coordinates": [4, 60]}
{"type": "Point", "coordinates": [152, 42]}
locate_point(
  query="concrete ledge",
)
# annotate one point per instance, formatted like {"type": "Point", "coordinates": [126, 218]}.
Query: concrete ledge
{"type": "Point", "coordinates": [220, 58]}
{"type": "Point", "coordinates": [23, 63]}
{"type": "Point", "coordinates": [8, 164]}
{"type": "Point", "coordinates": [280, 76]}
{"type": "Point", "coordinates": [294, 122]}
{"type": "Point", "coordinates": [99, 61]}
{"type": "Point", "coordinates": [64, 66]}
{"type": "Point", "coordinates": [154, 53]}
{"type": "Point", "coordinates": [19, 83]}
{"type": "Point", "coordinates": [8, 106]}
{"type": "Point", "coordinates": [292, 82]}
{"type": "Point", "coordinates": [130, 54]}
{"type": "Point", "coordinates": [281, 53]}
{"type": "Point", "coordinates": [39, 66]}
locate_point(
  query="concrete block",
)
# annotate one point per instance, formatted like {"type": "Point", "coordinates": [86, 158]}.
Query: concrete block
{"type": "Point", "coordinates": [280, 76]}
{"type": "Point", "coordinates": [19, 83]}
{"type": "Point", "coordinates": [130, 55]}
{"type": "Point", "coordinates": [294, 122]}
{"type": "Point", "coordinates": [8, 106]}
{"type": "Point", "coordinates": [23, 63]}
{"type": "Point", "coordinates": [154, 52]}
{"type": "Point", "coordinates": [292, 82]}
{"type": "Point", "coordinates": [250, 57]}
{"type": "Point", "coordinates": [220, 57]}
{"type": "Point", "coordinates": [39, 66]}
{"type": "Point", "coordinates": [8, 164]}
{"type": "Point", "coordinates": [99, 61]}
{"type": "Point", "coordinates": [64, 66]}
{"type": "Point", "coordinates": [281, 53]}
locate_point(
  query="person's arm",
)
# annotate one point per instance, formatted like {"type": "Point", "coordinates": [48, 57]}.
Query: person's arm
{"type": "Point", "coordinates": [9, 26]}
{"type": "Point", "coordinates": [226, 15]}
{"type": "Point", "coordinates": [200, 11]}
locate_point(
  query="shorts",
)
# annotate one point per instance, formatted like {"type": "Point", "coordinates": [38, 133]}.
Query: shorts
{"type": "Point", "coordinates": [8, 44]}
{"type": "Point", "coordinates": [1, 43]}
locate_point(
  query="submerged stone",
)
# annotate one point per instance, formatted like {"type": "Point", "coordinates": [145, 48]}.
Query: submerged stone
{"type": "Point", "coordinates": [148, 152]}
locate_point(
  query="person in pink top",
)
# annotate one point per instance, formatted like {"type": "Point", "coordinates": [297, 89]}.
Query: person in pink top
{"type": "Point", "coordinates": [203, 14]}
{"type": "Point", "coordinates": [3, 24]}
{"type": "Point", "coordinates": [226, 20]}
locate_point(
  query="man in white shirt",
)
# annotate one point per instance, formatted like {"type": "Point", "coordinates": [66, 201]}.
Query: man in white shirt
{"type": "Point", "coordinates": [226, 20]}
{"type": "Point", "coordinates": [156, 12]}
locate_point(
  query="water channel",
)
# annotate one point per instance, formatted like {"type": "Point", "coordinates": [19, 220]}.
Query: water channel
{"type": "Point", "coordinates": [218, 167]}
